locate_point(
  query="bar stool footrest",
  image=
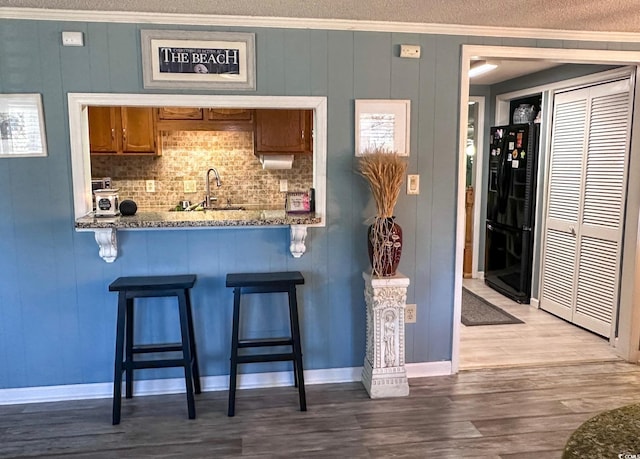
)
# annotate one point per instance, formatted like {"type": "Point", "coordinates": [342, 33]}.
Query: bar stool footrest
{"type": "Point", "coordinates": [265, 342]}
{"type": "Point", "coordinates": [152, 348]}
{"type": "Point", "coordinates": [284, 357]}
{"type": "Point", "coordinates": [145, 364]}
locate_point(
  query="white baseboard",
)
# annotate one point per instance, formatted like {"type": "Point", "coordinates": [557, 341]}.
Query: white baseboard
{"type": "Point", "coordinates": [534, 302]}
{"type": "Point", "coordinates": [426, 369]}
{"type": "Point", "coordinates": [209, 384]}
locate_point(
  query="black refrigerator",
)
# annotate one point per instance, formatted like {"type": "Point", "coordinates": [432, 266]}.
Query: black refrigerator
{"type": "Point", "coordinates": [513, 158]}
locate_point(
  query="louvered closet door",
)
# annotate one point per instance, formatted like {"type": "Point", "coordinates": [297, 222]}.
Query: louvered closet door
{"type": "Point", "coordinates": [587, 184]}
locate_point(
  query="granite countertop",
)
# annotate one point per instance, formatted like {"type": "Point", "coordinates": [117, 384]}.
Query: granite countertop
{"type": "Point", "coordinates": [202, 219]}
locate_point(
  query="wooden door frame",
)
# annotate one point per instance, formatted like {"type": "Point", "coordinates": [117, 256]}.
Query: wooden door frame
{"type": "Point", "coordinates": [628, 337]}
{"type": "Point", "coordinates": [478, 184]}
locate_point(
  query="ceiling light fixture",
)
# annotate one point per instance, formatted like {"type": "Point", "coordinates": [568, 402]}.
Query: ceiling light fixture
{"type": "Point", "coordinates": [481, 67]}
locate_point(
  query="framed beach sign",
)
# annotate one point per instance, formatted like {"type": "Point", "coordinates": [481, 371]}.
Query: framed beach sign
{"type": "Point", "coordinates": [198, 60]}
{"type": "Point", "coordinates": [21, 126]}
{"type": "Point", "coordinates": [382, 124]}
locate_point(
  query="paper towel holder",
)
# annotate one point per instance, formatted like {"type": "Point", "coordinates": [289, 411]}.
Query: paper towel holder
{"type": "Point", "coordinates": [276, 161]}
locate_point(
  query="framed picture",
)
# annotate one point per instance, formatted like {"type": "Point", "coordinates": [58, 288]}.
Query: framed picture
{"type": "Point", "coordinates": [382, 124]}
{"type": "Point", "coordinates": [198, 60]}
{"type": "Point", "coordinates": [21, 126]}
{"type": "Point", "coordinates": [298, 202]}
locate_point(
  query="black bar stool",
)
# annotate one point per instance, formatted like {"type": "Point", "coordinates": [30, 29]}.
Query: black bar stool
{"type": "Point", "coordinates": [130, 288]}
{"type": "Point", "coordinates": [284, 282]}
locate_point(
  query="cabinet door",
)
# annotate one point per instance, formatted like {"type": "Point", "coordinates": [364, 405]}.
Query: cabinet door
{"type": "Point", "coordinates": [283, 131]}
{"type": "Point", "coordinates": [104, 129]}
{"type": "Point", "coordinates": [138, 132]}
{"type": "Point", "coordinates": [230, 114]}
{"type": "Point", "coordinates": [180, 113]}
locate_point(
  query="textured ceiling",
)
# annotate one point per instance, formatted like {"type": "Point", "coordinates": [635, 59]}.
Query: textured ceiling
{"type": "Point", "coordinates": [590, 15]}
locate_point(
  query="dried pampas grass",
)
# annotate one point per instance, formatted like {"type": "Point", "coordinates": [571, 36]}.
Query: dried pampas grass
{"type": "Point", "coordinates": [384, 171]}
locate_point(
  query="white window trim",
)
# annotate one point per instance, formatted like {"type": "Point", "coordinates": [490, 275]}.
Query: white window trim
{"type": "Point", "coordinates": [79, 132]}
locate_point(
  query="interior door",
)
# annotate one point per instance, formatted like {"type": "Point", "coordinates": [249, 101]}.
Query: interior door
{"type": "Point", "coordinates": [586, 200]}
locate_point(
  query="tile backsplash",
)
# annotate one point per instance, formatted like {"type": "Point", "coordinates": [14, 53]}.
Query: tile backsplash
{"type": "Point", "coordinates": [187, 155]}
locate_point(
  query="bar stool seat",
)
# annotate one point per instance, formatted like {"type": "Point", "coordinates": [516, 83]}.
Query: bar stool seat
{"type": "Point", "coordinates": [128, 289]}
{"type": "Point", "coordinates": [252, 283]}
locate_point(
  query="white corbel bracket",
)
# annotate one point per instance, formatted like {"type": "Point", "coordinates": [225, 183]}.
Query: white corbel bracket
{"type": "Point", "coordinates": [108, 243]}
{"type": "Point", "coordinates": [298, 235]}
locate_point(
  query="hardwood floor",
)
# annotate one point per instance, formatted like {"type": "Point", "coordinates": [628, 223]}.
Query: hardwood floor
{"type": "Point", "coordinates": [543, 339]}
{"type": "Point", "coordinates": [547, 377]}
{"type": "Point", "coordinates": [498, 413]}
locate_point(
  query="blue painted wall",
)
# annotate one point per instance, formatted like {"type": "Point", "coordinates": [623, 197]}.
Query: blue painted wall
{"type": "Point", "coordinates": [57, 319]}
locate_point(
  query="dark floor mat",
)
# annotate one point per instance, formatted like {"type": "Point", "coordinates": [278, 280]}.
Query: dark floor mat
{"type": "Point", "coordinates": [478, 311]}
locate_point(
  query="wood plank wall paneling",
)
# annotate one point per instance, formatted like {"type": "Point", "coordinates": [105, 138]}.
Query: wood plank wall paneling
{"type": "Point", "coordinates": [274, 71]}
{"type": "Point", "coordinates": [97, 37]}
{"type": "Point", "coordinates": [125, 63]}
{"type": "Point", "coordinates": [297, 56]}
{"type": "Point", "coordinates": [58, 319]}
{"type": "Point", "coordinates": [418, 338]}
{"type": "Point", "coordinates": [444, 206]}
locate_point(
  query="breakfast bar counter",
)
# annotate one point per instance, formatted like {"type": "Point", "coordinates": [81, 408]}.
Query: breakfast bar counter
{"type": "Point", "coordinates": [105, 228]}
{"type": "Point", "coordinates": [207, 218]}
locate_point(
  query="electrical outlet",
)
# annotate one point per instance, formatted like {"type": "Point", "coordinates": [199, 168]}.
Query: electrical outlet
{"type": "Point", "coordinates": [189, 186]}
{"type": "Point", "coordinates": [151, 186]}
{"type": "Point", "coordinates": [410, 314]}
{"type": "Point", "coordinates": [284, 186]}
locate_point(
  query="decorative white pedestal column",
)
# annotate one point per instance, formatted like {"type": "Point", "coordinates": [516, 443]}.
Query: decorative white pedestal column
{"type": "Point", "coordinates": [384, 373]}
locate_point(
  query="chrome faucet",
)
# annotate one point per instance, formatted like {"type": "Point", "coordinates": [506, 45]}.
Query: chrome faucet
{"type": "Point", "coordinates": [208, 198]}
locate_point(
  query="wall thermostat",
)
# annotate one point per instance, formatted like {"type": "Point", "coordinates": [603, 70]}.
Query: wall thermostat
{"type": "Point", "coordinates": [410, 51]}
{"type": "Point", "coordinates": [72, 39]}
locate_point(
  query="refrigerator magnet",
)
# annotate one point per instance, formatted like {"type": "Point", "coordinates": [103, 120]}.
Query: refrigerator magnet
{"type": "Point", "coordinates": [515, 163]}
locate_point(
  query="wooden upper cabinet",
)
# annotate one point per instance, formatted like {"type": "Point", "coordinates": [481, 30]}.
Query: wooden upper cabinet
{"type": "Point", "coordinates": [138, 130]}
{"type": "Point", "coordinates": [230, 114]}
{"type": "Point", "coordinates": [180, 113]}
{"type": "Point", "coordinates": [283, 131]}
{"type": "Point", "coordinates": [103, 124]}
{"type": "Point", "coordinates": [204, 119]}
{"type": "Point", "coordinates": [122, 130]}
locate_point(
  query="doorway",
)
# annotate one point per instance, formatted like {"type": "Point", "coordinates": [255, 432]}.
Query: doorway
{"type": "Point", "coordinates": [628, 330]}
{"type": "Point", "coordinates": [474, 154]}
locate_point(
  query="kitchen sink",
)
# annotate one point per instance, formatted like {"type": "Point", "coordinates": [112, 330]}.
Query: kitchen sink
{"type": "Point", "coordinates": [226, 208]}
{"type": "Point", "coordinates": [209, 209]}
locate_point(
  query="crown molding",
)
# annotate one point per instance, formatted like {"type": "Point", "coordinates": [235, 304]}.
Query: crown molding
{"type": "Point", "coordinates": [42, 14]}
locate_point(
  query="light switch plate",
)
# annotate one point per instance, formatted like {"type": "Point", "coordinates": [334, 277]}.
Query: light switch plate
{"type": "Point", "coordinates": [413, 184]}
{"type": "Point", "coordinates": [150, 186]}
{"type": "Point", "coordinates": [284, 186]}
{"type": "Point", "coordinates": [189, 186]}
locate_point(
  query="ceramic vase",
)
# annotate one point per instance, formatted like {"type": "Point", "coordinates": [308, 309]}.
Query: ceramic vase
{"type": "Point", "coordinates": [384, 239]}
